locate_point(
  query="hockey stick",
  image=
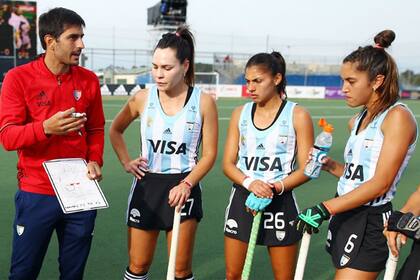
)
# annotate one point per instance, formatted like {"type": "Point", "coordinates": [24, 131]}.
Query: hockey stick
{"type": "Point", "coordinates": [251, 246]}
{"type": "Point", "coordinates": [170, 275]}
{"type": "Point", "coordinates": [391, 263]}
{"type": "Point", "coordinates": [303, 254]}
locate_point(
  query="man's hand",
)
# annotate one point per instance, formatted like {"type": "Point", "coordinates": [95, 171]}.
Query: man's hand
{"type": "Point", "coordinates": [63, 122]}
{"type": "Point", "coordinates": [94, 171]}
{"type": "Point", "coordinates": [311, 218]}
{"type": "Point", "coordinates": [137, 167]}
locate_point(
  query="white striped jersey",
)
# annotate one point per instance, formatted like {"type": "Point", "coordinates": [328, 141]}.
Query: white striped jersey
{"type": "Point", "coordinates": [361, 157]}
{"type": "Point", "coordinates": [171, 143]}
{"type": "Point", "coordinates": [269, 154]}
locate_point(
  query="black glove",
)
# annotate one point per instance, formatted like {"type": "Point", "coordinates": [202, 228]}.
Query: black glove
{"type": "Point", "coordinates": [407, 224]}
{"type": "Point", "coordinates": [311, 218]}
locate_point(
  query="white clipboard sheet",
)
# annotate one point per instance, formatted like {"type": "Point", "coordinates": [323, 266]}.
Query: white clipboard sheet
{"type": "Point", "coordinates": [74, 190]}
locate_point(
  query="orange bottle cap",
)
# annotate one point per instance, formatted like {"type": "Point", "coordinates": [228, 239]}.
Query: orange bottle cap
{"type": "Point", "coordinates": [328, 128]}
{"type": "Point", "coordinates": [322, 122]}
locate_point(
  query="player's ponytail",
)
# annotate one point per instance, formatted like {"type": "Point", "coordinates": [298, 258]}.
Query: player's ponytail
{"type": "Point", "coordinates": [281, 64]}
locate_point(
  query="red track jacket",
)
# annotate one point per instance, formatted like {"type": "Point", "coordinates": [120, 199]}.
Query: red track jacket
{"type": "Point", "coordinates": [31, 94]}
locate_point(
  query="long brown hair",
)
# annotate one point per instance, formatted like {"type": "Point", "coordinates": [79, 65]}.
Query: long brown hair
{"type": "Point", "coordinates": [375, 60]}
{"type": "Point", "coordinates": [182, 41]}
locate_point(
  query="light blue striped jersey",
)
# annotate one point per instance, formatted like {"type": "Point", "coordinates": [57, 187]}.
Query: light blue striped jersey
{"type": "Point", "coordinates": [361, 157]}
{"type": "Point", "coordinates": [171, 143]}
{"type": "Point", "coordinates": [269, 154]}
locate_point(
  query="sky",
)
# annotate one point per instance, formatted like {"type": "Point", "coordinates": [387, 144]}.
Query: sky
{"type": "Point", "coordinates": [325, 30]}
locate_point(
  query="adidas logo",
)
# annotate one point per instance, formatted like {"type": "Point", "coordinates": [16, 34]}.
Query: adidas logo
{"type": "Point", "coordinates": [350, 153]}
{"type": "Point", "coordinates": [260, 147]}
{"type": "Point", "coordinates": [167, 131]}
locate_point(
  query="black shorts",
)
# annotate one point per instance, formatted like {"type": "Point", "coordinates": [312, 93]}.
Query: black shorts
{"type": "Point", "coordinates": [411, 268]}
{"type": "Point", "coordinates": [276, 227]}
{"type": "Point", "coordinates": [148, 206]}
{"type": "Point", "coordinates": [355, 239]}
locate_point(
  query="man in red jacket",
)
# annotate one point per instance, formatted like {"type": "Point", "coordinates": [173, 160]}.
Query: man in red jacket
{"type": "Point", "coordinates": [36, 105]}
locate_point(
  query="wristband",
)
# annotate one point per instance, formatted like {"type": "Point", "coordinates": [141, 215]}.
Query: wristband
{"type": "Point", "coordinates": [247, 182]}
{"type": "Point", "coordinates": [187, 183]}
{"type": "Point", "coordinates": [282, 188]}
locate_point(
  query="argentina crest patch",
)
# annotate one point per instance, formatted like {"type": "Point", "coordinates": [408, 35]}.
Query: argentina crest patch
{"type": "Point", "coordinates": [283, 139]}
{"type": "Point", "coordinates": [190, 126]}
{"type": "Point", "coordinates": [344, 260]}
{"type": "Point", "coordinates": [20, 229]}
{"type": "Point", "coordinates": [77, 94]}
{"type": "Point", "coordinates": [280, 234]}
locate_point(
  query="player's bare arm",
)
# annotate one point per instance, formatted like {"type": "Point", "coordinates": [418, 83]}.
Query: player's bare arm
{"type": "Point", "coordinates": [399, 131]}
{"type": "Point", "coordinates": [302, 123]}
{"type": "Point", "coordinates": [131, 110]}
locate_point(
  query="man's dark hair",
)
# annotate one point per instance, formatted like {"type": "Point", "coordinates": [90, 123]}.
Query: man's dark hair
{"type": "Point", "coordinates": [55, 21]}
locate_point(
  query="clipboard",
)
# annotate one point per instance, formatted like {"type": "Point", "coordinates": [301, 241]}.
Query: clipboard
{"type": "Point", "coordinates": [74, 190]}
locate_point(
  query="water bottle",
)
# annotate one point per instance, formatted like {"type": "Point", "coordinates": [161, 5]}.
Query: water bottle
{"type": "Point", "coordinates": [319, 152]}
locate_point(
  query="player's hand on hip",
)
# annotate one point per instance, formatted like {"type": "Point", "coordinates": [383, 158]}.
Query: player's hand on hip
{"type": "Point", "coordinates": [94, 171]}
{"type": "Point", "coordinates": [138, 167]}
{"type": "Point", "coordinates": [64, 122]}
{"type": "Point", "coordinates": [261, 189]}
{"type": "Point", "coordinates": [179, 194]}
{"type": "Point", "coordinates": [310, 219]}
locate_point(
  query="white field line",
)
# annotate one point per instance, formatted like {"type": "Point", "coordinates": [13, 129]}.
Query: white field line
{"type": "Point", "coordinates": [314, 117]}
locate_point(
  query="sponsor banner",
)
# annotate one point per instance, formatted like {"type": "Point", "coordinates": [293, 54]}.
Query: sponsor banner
{"type": "Point", "coordinates": [405, 94]}
{"type": "Point", "coordinates": [230, 91]}
{"type": "Point", "coordinates": [245, 92]}
{"type": "Point", "coordinates": [410, 94]}
{"type": "Point", "coordinates": [305, 92]}
{"type": "Point", "coordinates": [121, 90]}
{"type": "Point", "coordinates": [415, 95]}
{"type": "Point", "coordinates": [105, 90]}
{"type": "Point", "coordinates": [133, 89]}
{"type": "Point", "coordinates": [221, 90]}
{"type": "Point", "coordinates": [210, 89]}
{"type": "Point", "coordinates": [297, 92]}
{"type": "Point", "coordinates": [333, 93]}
